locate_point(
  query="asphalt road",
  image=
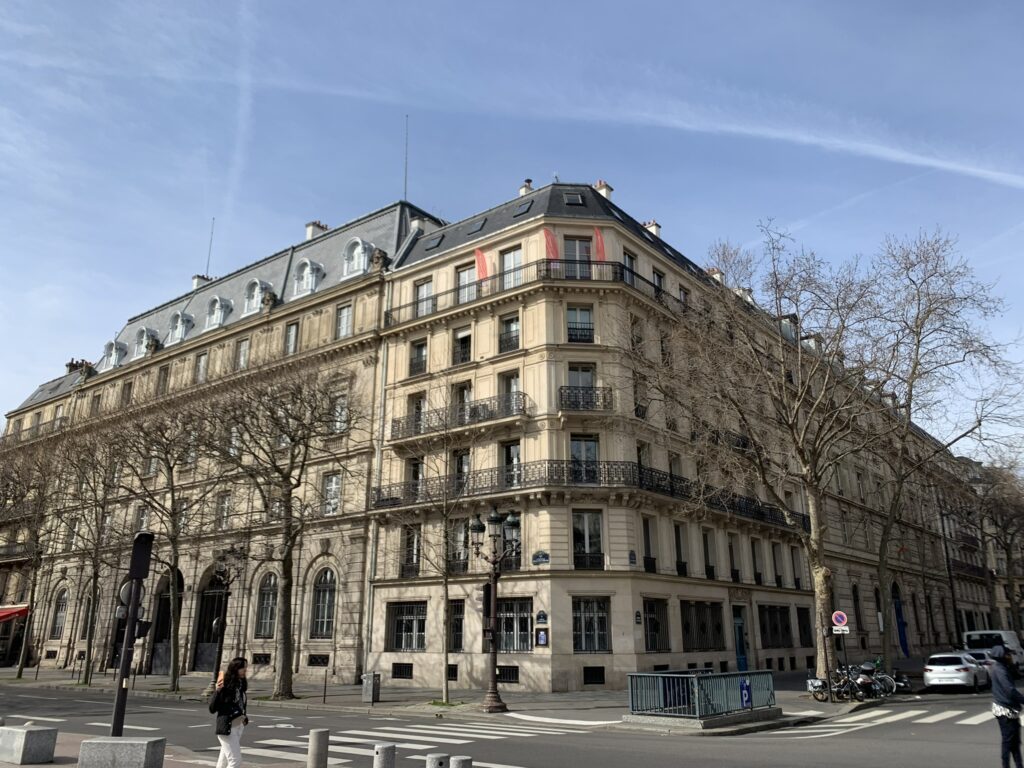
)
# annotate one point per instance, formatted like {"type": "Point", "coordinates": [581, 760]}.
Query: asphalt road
{"type": "Point", "coordinates": [930, 730]}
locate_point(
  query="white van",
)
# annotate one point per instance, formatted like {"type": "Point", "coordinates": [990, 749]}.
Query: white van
{"type": "Point", "coordinates": [987, 639]}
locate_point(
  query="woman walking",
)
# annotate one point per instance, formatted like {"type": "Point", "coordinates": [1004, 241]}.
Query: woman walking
{"type": "Point", "coordinates": [1006, 706]}
{"type": "Point", "coordinates": [228, 703]}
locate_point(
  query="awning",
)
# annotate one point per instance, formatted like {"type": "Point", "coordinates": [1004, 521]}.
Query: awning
{"type": "Point", "coordinates": [8, 612]}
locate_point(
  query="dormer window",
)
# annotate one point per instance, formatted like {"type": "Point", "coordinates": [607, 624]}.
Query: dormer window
{"type": "Point", "coordinates": [113, 354]}
{"type": "Point", "coordinates": [353, 261]}
{"type": "Point", "coordinates": [216, 311]}
{"type": "Point", "coordinates": [307, 274]}
{"type": "Point", "coordinates": [142, 337]}
{"type": "Point", "coordinates": [254, 296]}
{"type": "Point", "coordinates": [180, 323]}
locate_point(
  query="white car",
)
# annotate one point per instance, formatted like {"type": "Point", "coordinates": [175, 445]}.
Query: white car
{"type": "Point", "coordinates": [955, 668]}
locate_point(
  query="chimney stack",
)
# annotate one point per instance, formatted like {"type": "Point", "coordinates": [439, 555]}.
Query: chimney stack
{"type": "Point", "coordinates": [653, 227]}
{"type": "Point", "coordinates": [200, 280]}
{"type": "Point", "coordinates": [315, 229]}
{"type": "Point", "coordinates": [73, 365]}
{"type": "Point", "coordinates": [526, 188]}
{"type": "Point", "coordinates": [604, 189]}
{"type": "Point", "coordinates": [716, 274]}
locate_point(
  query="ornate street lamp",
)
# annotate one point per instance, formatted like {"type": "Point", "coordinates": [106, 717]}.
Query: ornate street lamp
{"type": "Point", "coordinates": [228, 565]}
{"type": "Point", "coordinates": [493, 555]}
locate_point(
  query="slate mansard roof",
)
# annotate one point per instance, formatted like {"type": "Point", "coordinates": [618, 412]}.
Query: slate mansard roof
{"type": "Point", "coordinates": [387, 229]}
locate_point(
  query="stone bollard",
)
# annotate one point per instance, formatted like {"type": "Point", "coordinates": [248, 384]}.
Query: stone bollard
{"type": "Point", "coordinates": [316, 757]}
{"type": "Point", "coordinates": [384, 755]}
{"type": "Point", "coordinates": [461, 761]}
{"type": "Point", "coordinates": [437, 760]}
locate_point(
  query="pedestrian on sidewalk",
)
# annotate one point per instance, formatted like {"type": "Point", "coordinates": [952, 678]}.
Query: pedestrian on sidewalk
{"type": "Point", "coordinates": [1006, 706]}
{"type": "Point", "coordinates": [228, 703]}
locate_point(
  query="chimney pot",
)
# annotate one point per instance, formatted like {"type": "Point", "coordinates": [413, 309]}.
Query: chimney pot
{"type": "Point", "coordinates": [315, 229]}
{"type": "Point", "coordinates": [604, 188]}
{"type": "Point", "coordinates": [653, 227]}
{"type": "Point", "coordinates": [526, 188]}
{"type": "Point", "coordinates": [200, 280]}
{"type": "Point", "coordinates": [715, 273]}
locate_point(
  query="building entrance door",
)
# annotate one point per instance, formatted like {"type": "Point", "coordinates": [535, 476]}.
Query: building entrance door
{"type": "Point", "coordinates": [739, 631]}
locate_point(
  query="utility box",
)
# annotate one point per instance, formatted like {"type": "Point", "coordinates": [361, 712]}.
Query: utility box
{"type": "Point", "coordinates": [371, 687]}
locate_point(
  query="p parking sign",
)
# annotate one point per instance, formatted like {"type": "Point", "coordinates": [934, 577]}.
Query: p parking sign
{"type": "Point", "coordinates": [746, 700]}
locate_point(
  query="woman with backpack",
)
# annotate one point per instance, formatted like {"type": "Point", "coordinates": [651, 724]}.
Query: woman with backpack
{"type": "Point", "coordinates": [228, 703]}
{"type": "Point", "coordinates": [1006, 706]}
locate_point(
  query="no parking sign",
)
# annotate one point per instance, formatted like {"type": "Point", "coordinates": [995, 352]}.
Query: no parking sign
{"type": "Point", "coordinates": [839, 619]}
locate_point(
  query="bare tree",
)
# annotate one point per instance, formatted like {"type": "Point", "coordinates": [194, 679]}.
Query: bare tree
{"type": "Point", "coordinates": [766, 368]}
{"type": "Point", "coordinates": [999, 519]}
{"type": "Point", "coordinates": [438, 444]}
{"type": "Point", "coordinates": [86, 517]}
{"type": "Point", "coordinates": [274, 428]}
{"type": "Point", "coordinates": [939, 365]}
{"type": "Point", "coordinates": [165, 472]}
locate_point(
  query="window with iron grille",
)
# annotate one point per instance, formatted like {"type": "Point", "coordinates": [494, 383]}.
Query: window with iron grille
{"type": "Point", "coordinates": [508, 674]}
{"type": "Point", "coordinates": [332, 493]}
{"type": "Point", "coordinates": [702, 626]}
{"type": "Point", "coordinates": [593, 675]}
{"type": "Point", "coordinates": [453, 672]}
{"type": "Point", "coordinates": [343, 321]}
{"type": "Point", "coordinates": [412, 539]}
{"type": "Point", "coordinates": [400, 671]}
{"type": "Point", "coordinates": [407, 626]}
{"type": "Point", "coordinates": [260, 658]}
{"type": "Point", "coordinates": [318, 660]}
{"type": "Point", "coordinates": [456, 621]}
{"type": "Point", "coordinates": [322, 624]}
{"type": "Point", "coordinates": [590, 624]}
{"type": "Point", "coordinates": [60, 614]}
{"type": "Point", "coordinates": [776, 627]}
{"type": "Point", "coordinates": [508, 339]}
{"type": "Point", "coordinates": [266, 607]}
{"type": "Point", "coordinates": [656, 638]}
{"type": "Point", "coordinates": [515, 625]}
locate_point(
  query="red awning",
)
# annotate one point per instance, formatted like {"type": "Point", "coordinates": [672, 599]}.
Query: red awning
{"type": "Point", "coordinates": [8, 612]}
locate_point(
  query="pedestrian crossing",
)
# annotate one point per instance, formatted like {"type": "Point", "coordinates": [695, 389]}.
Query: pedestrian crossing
{"type": "Point", "coordinates": [883, 716]}
{"type": "Point", "coordinates": [354, 747]}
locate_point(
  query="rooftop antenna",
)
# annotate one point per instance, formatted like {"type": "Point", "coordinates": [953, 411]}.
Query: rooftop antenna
{"type": "Point", "coordinates": [405, 184]}
{"type": "Point", "coordinates": [209, 250]}
{"type": "Point", "coordinates": [555, 175]}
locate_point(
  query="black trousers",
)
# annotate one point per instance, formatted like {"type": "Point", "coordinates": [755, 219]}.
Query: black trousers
{"type": "Point", "coordinates": [1009, 727]}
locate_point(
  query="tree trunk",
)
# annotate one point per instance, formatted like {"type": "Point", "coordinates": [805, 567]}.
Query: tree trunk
{"type": "Point", "coordinates": [175, 618]}
{"type": "Point", "coordinates": [884, 601]}
{"type": "Point", "coordinates": [30, 621]}
{"type": "Point", "coordinates": [283, 678]}
{"type": "Point", "coordinates": [90, 626]}
{"type": "Point", "coordinates": [446, 612]}
{"type": "Point", "coordinates": [822, 578]}
{"type": "Point", "coordinates": [1012, 588]}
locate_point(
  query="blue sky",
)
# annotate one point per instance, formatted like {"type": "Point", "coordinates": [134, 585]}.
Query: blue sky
{"type": "Point", "coordinates": [126, 126]}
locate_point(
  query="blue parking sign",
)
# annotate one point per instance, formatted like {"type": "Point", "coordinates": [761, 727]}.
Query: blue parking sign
{"type": "Point", "coordinates": [745, 699]}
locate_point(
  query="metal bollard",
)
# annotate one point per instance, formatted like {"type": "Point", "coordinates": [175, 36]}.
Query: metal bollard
{"type": "Point", "coordinates": [316, 757]}
{"type": "Point", "coordinates": [461, 761]}
{"type": "Point", "coordinates": [437, 760]}
{"type": "Point", "coordinates": [384, 755]}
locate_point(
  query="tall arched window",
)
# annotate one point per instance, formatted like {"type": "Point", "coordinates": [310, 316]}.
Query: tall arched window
{"type": "Point", "coordinates": [322, 619]}
{"type": "Point", "coordinates": [858, 615]}
{"type": "Point", "coordinates": [303, 283]}
{"type": "Point", "coordinates": [141, 337]}
{"type": "Point", "coordinates": [176, 327]}
{"type": "Point", "coordinates": [253, 296]}
{"type": "Point", "coordinates": [266, 607]}
{"type": "Point", "coordinates": [83, 631]}
{"type": "Point", "coordinates": [60, 614]}
{"type": "Point", "coordinates": [215, 313]}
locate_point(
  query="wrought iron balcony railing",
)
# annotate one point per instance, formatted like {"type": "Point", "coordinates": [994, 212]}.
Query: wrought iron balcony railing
{"type": "Point", "coordinates": [461, 353]}
{"type": "Point", "coordinates": [588, 561]}
{"type": "Point", "coordinates": [19, 550]}
{"type": "Point", "coordinates": [417, 365]}
{"type": "Point", "coordinates": [585, 398]}
{"type": "Point", "coordinates": [563, 473]}
{"type": "Point", "coordinates": [528, 274]}
{"type": "Point", "coordinates": [409, 570]}
{"type": "Point", "coordinates": [35, 430]}
{"type": "Point", "coordinates": [508, 341]}
{"type": "Point", "coordinates": [459, 415]}
{"type": "Point", "coordinates": [580, 333]}
{"type": "Point", "coordinates": [968, 569]}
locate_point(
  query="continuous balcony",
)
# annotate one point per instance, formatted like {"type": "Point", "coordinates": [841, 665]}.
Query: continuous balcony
{"type": "Point", "coordinates": [968, 569]}
{"type": "Point", "coordinates": [566, 473]}
{"type": "Point", "coordinates": [16, 551]}
{"type": "Point", "coordinates": [548, 270]}
{"type": "Point", "coordinates": [34, 431]}
{"type": "Point", "coordinates": [459, 415]}
{"type": "Point", "coordinates": [585, 398]}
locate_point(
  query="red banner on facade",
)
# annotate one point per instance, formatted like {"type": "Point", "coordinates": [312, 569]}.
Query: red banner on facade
{"type": "Point", "coordinates": [481, 265]}
{"type": "Point", "coordinates": [551, 242]}
{"type": "Point", "coordinates": [598, 244]}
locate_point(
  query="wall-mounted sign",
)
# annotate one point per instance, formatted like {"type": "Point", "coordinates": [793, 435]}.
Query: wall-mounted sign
{"type": "Point", "coordinates": [540, 557]}
{"type": "Point", "coordinates": [632, 557]}
{"type": "Point", "coordinates": [638, 618]}
{"type": "Point", "coordinates": [541, 637]}
{"type": "Point", "coordinates": [542, 617]}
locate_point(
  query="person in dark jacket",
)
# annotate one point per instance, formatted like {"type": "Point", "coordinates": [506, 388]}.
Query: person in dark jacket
{"type": "Point", "coordinates": [1006, 706]}
{"type": "Point", "coordinates": [228, 703]}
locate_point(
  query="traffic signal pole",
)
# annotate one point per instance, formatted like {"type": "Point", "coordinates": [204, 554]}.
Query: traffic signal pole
{"type": "Point", "coordinates": [138, 570]}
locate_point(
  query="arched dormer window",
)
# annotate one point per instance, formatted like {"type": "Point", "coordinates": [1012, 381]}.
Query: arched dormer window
{"type": "Point", "coordinates": [180, 323]}
{"type": "Point", "coordinates": [113, 354]}
{"type": "Point", "coordinates": [216, 312]}
{"type": "Point", "coordinates": [254, 296]}
{"type": "Point", "coordinates": [354, 258]}
{"type": "Point", "coordinates": [141, 340]}
{"type": "Point", "coordinates": [307, 275]}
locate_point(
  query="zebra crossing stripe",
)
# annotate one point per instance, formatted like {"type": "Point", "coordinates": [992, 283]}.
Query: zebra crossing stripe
{"type": "Point", "coordinates": [976, 720]}
{"type": "Point", "coordinates": [392, 735]}
{"type": "Point", "coordinates": [305, 745]}
{"type": "Point", "coordinates": [863, 716]}
{"type": "Point", "coordinates": [364, 740]}
{"type": "Point", "coordinates": [429, 730]}
{"type": "Point", "coordinates": [538, 728]}
{"type": "Point", "coordinates": [900, 716]}
{"type": "Point", "coordinates": [525, 729]}
{"type": "Point", "coordinates": [941, 716]}
{"type": "Point", "coordinates": [294, 757]}
{"type": "Point", "coordinates": [476, 763]}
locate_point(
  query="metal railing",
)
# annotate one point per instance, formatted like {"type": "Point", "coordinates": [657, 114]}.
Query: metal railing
{"type": "Point", "coordinates": [588, 561]}
{"type": "Point", "coordinates": [33, 431]}
{"type": "Point", "coordinates": [580, 333]}
{"type": "Point", "coordinates": [968, 569]}
{"type": "Point", "coordinates": [699, 696]}
{"type": "Point", "coordinates": [560, 472]}
{"type": "Point", "coordinates": [417, 365]}
{"type": "Point", "coordinates": [459, 415]}
{"type": "Point", "coordinates": [508, 341]}
{"type": "Point", "coordinates": [527, 274]}
{"type": "Point", "coordinates": [18, 550]}
{"type": "Point", "coordinates": [585, 398]}
{"type": "Point", "coordinates": [461, 353]}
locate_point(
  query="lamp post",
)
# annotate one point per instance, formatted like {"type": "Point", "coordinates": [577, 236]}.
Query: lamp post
{"type": "Point", "coordinates": [227, 566]}
{"type": "Point", "coordinates": [494, 530]}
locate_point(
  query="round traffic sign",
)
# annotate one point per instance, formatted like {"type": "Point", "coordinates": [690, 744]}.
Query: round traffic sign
{"type": "Point", "coordinates": [839, 619]}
